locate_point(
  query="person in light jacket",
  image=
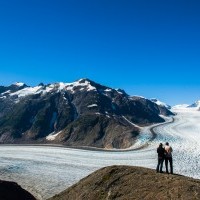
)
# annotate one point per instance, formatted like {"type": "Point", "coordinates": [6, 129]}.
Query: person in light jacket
{"type": "Point", "coordinates": [168, 158]}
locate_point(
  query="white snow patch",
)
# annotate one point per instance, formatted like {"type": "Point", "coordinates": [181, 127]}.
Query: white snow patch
{"type": "Point", "coordinates": [181, 106]}
{"type": "Point", "coordinates": [62, 85]}
{"type": "Point", "coordinates": [27, 91]}
{"type": "Point", "coordinates": [160, 103]}
{"type": "Point", "coordinates": [135, 125]}
{"type": "Point", "coordinates": [138, 96]}
{"type": "Point", "coordinates": [19, 84]}
{"type": "Point", "coordinates": [93, 105]}
{"type": "Point", "coordinates": [6, 92]}
{"type": "Point", "coordinates": [86, 85]}
{"type": "Point", "coordinates": [33, 90]}
{"type": "Point", "coordinates": [164, 117]}
{"type": "Point", "coordinates": [108, 90]}
{"type": "Point", "coordinates": [48, 89]}
{"type": "Point", "coordinates": [118, 91]}
{"type": "Point", "coordinates": [81, 86]}
{"type": "Point", "coordinates": [52, 136]}
{"type": "Point", "coordinates": [90, 88]}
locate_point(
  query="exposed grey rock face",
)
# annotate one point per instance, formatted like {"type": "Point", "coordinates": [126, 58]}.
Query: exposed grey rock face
{"type": "Point", "coordinates": [82, 113]}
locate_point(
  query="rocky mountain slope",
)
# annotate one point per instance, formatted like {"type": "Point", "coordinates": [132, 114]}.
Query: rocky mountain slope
{"type": "Point", "coordinates": [82, 113]}
{"type": "Point", "coordinates": [11, 191]}
{"type": "Point", "coordinates": [125, 182]}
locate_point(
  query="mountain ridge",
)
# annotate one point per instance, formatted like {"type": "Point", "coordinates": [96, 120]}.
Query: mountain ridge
{"type": "Point", "coordinates": [193, 106]}
{"type": "Point", "coordinates": [79, 113]}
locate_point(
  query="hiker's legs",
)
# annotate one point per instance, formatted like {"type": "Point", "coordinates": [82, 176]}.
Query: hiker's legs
{"type": "Point", "coordinates": [157, 169]}
{"type": "Point", "coordinates": [171, 165]}
{"type": "Point", "coordinates": [166, 164]}
{"type": "Point", "coordinates": [161, 164]}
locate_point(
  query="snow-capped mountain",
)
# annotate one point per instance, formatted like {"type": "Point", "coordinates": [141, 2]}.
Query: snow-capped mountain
{"type": "Point", "coordinates": [19, 84]}
{"type": "Point", "coordinates": [160, 103]}
{"type": "Point", "coordinates": [12, 88]}
{"type": "Point", "coordinates": [79, 113]}
{"type": "Point", "coordinates": [195, 105]}
{"type": "Point", "coordinates": [180, 106]}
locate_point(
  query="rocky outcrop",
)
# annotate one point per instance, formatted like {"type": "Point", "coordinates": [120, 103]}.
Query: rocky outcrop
{"type": "Point", "coordinates": [125, 182]}
{"type": "Point", "coordinates": [12, 191]}
{"type": "Point", "coordinates": [99, 131]}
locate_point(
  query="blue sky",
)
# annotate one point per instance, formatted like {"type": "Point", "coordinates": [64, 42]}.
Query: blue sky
{"type": "Point", "coordinates": [149, 48]}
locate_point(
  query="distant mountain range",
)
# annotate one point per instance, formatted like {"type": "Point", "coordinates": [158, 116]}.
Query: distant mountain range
{"type": "Point", "coordinates": [194, 106]}
{"type": "Point", "coordinates": [82, 113]}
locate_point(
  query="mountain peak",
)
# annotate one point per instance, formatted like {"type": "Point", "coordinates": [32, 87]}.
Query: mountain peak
{"type": "Point", "coordinates": [160, 103]}
{"type": "Point", "coordinates": [195, 105]}
{"type": "Point", "coordinates": [121, 91]}
{"type": "Point", "coordinates": [41, 84]}
{"type": "Point", "coordinates": [19, 84]}
{"type": "Point", "coordinates": [83, 80]}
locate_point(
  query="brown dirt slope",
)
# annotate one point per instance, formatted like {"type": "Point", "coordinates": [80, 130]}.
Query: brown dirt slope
{"type": "Point", "coordinates": [127, 183]}
{"type": "Point", "coordinates": [12, 191]}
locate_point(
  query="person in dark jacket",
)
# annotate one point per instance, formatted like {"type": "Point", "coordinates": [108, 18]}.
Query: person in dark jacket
{"type": "Point", "coordinates": [161, 157]}
{"type": "Point", "coordinates": [168, 158]}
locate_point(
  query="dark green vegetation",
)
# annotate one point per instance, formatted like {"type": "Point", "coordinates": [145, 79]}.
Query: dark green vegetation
{"type": "Point", "coordinates": [127, 183]}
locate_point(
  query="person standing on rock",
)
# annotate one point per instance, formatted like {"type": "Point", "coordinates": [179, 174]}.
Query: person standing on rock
{"type": "Point", "coordinates": [161, 157]}
{"type": "Point", "coordinates": [168, 157]}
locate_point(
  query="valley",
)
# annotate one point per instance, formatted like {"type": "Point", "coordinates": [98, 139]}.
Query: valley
{"type": "Point", "coordinates": [45, 171]}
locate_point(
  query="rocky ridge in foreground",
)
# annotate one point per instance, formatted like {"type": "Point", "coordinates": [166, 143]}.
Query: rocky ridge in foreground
{"type": "Point", "coordinates": [12, 191]}
{"type": "Point", "coordinates": [128, 183]}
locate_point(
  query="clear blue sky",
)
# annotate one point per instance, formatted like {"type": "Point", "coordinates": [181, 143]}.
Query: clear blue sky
{"type": "Point", "coordinates": [147, 47]}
